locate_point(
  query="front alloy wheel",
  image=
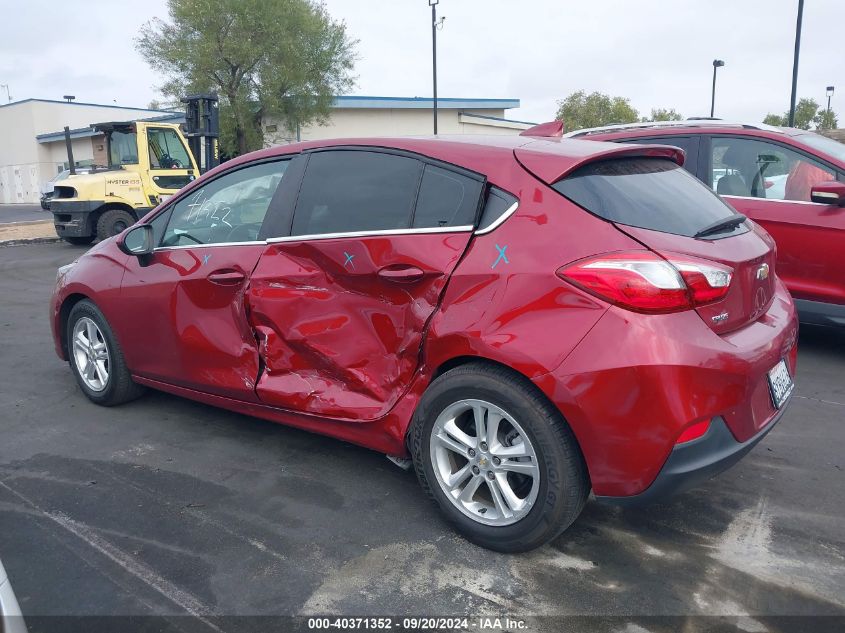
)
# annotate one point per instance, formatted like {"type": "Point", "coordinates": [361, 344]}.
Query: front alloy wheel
{"type": "Point", "coordinates": [91, 354]}
{"type": "Point", "coordinates": [484, 462]}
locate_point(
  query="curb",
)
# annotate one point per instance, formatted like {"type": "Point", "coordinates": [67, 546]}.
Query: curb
{"type": "Point", "coordinates": [29, 240]}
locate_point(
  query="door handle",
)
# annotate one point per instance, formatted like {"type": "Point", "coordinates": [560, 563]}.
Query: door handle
{"type": "Point", "coordinates": [226, 277]}
{"type": "Point", "coordinates": [401, 273]}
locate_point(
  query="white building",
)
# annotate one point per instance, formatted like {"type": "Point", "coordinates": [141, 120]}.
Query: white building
{"type": "Point", "coordinates": [33, 149]}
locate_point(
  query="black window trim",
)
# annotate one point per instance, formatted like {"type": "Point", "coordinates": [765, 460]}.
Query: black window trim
{"type": "Point", "coordinates": [503, 217]}
{"type": "Point", "coordinates": [378, 149]}
{"type": "Point", "coordinates": [274, 203]}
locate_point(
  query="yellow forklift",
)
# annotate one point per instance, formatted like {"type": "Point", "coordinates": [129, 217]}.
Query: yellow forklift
{"type": "Point", "coordinates": [149, 161]}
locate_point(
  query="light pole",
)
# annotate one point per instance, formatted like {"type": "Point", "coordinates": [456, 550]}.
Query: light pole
{"type": "Point", "coordinates": [829, 93]}
{"type": "Point", "coordinates": [717, 63]}
{"type": "Point", "coordinates": [795, 63]}
{"type": "Point", "coordinates": [8, 94]}
{"type": "Point", "coordinates": [434, 26]}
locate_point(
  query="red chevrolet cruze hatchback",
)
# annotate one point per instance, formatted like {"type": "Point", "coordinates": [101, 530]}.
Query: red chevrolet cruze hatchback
{"type": "Point", "coordinates": [527, 319]}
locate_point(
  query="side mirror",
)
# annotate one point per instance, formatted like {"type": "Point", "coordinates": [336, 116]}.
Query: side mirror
{"type": "Point", "coordinates": [831, 192]}
{"type": "Point", "coordinates": [137, 241]}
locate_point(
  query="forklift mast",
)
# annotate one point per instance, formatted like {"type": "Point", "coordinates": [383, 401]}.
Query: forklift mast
{"type": "Point", "coordinates": [202, 129]}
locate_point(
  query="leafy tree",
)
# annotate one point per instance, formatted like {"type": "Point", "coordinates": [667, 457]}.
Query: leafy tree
{"type": "Point", "coordinates": [285, 59]}
{"type": "Point", "coordinates": [826, 120]}
{"type": "Point", "coordinates": [663, 114]}
{"type": "Point", "coordinates": [581, 110]}
{"type": "Point", "coordinates": [775, 119]}
{"type": "Point", "coordinates": [807, 113]}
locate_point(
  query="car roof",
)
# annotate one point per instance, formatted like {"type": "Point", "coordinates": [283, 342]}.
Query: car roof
{"type": "Point", "coordinates": [474, 152]}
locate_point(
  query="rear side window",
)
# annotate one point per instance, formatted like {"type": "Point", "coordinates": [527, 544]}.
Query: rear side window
{"type": "Point", "coordinates": [649, 193]}
{"type": "Point", "coordinates": [498, 202]}
{"type": "Point", "coordinates": [446, 199]}
{"type": "Point", "coordinates": [349, 191]}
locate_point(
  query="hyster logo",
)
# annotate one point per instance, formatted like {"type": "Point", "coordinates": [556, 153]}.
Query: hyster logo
{"type": "Point", "coordinates": [122, 181]}
{"type": "Point", "coordinates": [763, 272]}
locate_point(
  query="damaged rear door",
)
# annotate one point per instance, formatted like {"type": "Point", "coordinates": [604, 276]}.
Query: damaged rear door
{"type": "Point", "coordinates": [185, 320]}
{"type": "Point", "coordinates": [340, 301]}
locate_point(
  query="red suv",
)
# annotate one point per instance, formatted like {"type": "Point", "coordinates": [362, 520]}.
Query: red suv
{"type": "Point", "coordinates": [527, 319]}
{"type": "Point", "coordinates": [790, 181]}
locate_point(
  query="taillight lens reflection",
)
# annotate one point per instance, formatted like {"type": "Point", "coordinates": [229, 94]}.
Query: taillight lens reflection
{"type": "Point", "coordinates": [645, 282]}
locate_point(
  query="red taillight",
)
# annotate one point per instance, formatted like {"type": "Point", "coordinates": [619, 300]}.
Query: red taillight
{"type": "Point", "coordinates": [645, 282]}
{"type": "Point", "coordinates": [693, 432]}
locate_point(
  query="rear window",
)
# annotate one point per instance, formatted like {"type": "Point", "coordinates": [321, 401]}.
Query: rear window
{"type": "Point", "coordinates": [649, 193]}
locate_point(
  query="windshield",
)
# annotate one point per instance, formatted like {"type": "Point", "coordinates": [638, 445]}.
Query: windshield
{"type": "Point", "coordinates": [648, 193]}
{"type": "Point", "coordinates": [824, 144]}
{"type": "Point", "coordinates": [123, 148]}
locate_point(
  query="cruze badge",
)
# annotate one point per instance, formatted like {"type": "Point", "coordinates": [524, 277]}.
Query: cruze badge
{"type": "Point", "coordinates": [720, 317]}
{"type": "Point", "coordinates": [763, 272]}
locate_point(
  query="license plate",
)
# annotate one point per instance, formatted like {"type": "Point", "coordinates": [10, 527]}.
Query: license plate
{"type": "Point", "coordinates": [780, 384]}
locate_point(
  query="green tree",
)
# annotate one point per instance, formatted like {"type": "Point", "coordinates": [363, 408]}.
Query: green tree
{"type": "Point", "coordinates": [826, 120]}
{"type": "Point", "coordinates": [284, 59]}
{"type": "Point", "coordinates": [775, 119]}
{"type": "Point", "coordinates": [663, 114]}
{"type": "Point", "coordinates": [807, 114]}
{"type": "Point", "coordinates": [581, 110]}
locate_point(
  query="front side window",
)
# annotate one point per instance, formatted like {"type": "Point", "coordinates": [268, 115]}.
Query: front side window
{"type": "Point", "coordinates": [350, 191]}
{"type": "Point", "coordinates": [758, 169]}
{"type": "Point", "coordinates": [649, 193]}
{"type": "Point", "coordinates": [166, 149]}
{"type": "Point", "coordinates": [230, 208]}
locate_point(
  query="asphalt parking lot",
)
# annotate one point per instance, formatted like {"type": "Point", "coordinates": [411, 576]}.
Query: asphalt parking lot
{"type": "Point", "coordinates": [169, 507]}
{"type": "Point", "coordinates": [23, 213]}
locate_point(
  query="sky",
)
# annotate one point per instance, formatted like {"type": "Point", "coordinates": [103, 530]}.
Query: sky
{"type": "Point", "coordinates": [657, 53]}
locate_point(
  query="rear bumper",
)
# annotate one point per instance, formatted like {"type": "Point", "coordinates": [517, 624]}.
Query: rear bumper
{"type": "Point", "coordinates": [72, 218]}
{"type": "Point", "coordinates": [693, 463]}
{"type": "Point", "coordinates": [820, 313]}
{"type": "Point", "coordinates": [636, 382]}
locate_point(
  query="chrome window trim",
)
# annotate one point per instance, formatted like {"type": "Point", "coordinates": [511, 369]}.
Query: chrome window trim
{"type": "Point", "coordinates": [500, 220]}
{"type": "Point", "coordinates": [184, 246]}
{"type": "Point", "coordinates": [821, 204]}
{"type": "Point", "coordinates": [331, 236]}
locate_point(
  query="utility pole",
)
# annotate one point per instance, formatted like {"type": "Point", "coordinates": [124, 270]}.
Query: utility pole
{"type": "Point", "coordinates": [434, 26]}
{"type": "Point", "coordinates": [795, 63]}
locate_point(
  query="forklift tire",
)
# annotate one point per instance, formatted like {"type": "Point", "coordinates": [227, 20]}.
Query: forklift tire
{"type": "Point", "coordinates": [113, 222]}
{"type": "Point", "coordinates": [79, 241]}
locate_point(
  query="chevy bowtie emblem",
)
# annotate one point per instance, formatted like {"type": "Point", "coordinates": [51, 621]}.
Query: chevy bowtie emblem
{"type": "Point", "coordinates": [763, 272]}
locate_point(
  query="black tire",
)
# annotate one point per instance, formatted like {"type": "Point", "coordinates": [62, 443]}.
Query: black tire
{"type": "Point", "coordinates": [564, 482]}
{"type": "Point", "coordinates": [119, 387]}
{"type": "Point", "coordinates": [113, 222]}
{"type": "Point", "coordinates": [79, 241]}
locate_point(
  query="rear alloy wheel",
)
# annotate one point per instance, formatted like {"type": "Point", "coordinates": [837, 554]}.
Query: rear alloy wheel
{"type": "Point", "coordinates": [113, 222]}
{"type": "Point", "coordinates": [497, 458]}
{"type": "Point", "coordinates": [96, 358]}
{"type": "Point", "coordinates": [489, 472]}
